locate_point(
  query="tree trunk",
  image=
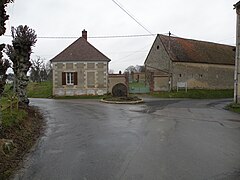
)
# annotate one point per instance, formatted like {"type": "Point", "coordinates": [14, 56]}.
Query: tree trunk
{"type": "Point", "coordinates": [22, 82]}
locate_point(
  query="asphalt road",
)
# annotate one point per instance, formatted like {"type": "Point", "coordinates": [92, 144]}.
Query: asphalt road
{"type": "Point", "coordinates": [161, 139]}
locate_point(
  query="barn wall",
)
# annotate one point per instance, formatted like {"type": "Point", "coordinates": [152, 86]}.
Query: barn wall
{"type": "Point", "coordinates": [203, 76]}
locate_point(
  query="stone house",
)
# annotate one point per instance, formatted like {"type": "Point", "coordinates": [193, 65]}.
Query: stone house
{"type": "Point", "coordinates": [80, 69]}
{"type": "Point", "coordinates": [198, 64]}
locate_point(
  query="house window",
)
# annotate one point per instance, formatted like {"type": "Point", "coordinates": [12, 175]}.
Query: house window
{"type": "Point", "coordinates": [157, 47]}
{"type": "Point", "coordinates": [69, 78]}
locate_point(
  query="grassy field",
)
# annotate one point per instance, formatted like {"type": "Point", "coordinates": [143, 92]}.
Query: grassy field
{"type": "Point", "coordinates": [39, 90]}
{"type": "Point", "coordinates": [196, 94]}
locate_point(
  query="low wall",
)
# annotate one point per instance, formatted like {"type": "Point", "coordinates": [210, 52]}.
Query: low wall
{"type": "Point", "coordinates": [160, 83]}
{"type": "Point", "coordinates": [114, 79]}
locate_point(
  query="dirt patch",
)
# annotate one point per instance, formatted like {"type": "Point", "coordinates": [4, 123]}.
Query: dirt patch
{"type": "Point", "coordinates": [23, 136]}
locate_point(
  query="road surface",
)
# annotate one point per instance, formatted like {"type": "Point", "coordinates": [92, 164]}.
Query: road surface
{"type": "Point", "coordinates": [161, 139]}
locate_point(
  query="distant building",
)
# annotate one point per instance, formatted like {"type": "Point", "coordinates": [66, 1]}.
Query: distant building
{"type": "Point", "coordinates": [80, 69]}
{"type": "Point", "coordinates": [200, 64]}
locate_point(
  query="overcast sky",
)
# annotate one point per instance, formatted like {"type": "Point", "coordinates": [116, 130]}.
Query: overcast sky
{"type": "Point", "coordinates": [208, 20]}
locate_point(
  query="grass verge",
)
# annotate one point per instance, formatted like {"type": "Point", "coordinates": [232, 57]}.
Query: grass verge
{"type": "Point", "coordinates": [121, 99]}
{"type": "Point", "coordinates": [39, 90]}
{"type": "Point", "coordinates": [233, 107]}
{"type": "Point", "coordinates": [20, 128]}
{"type": "Point", "coordinates": [196, 94]}
{"type": "Point", "coordinates": [79, 97]}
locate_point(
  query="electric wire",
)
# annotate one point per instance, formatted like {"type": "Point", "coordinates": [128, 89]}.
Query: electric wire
{"type": "Point", "coordinates": [92, 37]}
{"type": "Point", "coordinates": [131, 16]}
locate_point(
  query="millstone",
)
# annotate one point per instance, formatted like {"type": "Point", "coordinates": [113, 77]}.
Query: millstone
{"type": "Point", "coordinates": [119, 90]}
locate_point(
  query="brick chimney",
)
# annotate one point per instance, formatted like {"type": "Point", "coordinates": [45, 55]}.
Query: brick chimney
{"type": "Point", "coordinates": [84, 34]}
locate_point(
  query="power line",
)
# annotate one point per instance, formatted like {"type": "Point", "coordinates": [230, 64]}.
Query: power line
{"type": "Point", "coordinates": [131, 16]}
{"type": "Point", "coordinates": [134, 52]}
{"type": "Point", "coordinates": [92, 37]}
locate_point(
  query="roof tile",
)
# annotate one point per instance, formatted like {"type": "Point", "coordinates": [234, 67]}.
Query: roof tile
{"type": "Point", "coordinates": [80, 50]}
{"type": "Point", "coordinates": [187, 50]}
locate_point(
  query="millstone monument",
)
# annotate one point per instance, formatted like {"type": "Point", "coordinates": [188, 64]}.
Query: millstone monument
{"type": "Point", "coordinates": [120, 90]}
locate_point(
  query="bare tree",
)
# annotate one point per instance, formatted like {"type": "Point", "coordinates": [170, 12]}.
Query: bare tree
{"type": "Point", "coordinates": [19, 53]}
{"type": "Point", "coordinates": [140, 68]}
{"type": "Point", "coordinates": [37, 65]}
{"type": "Point", "coordinates": [43, 73]}
{"type": "Point", "coordinates": [130, 70]}
{"type": "Point", "coordinates": [49, 70]}
{"type": "Point", "coordinates": [40, 71]}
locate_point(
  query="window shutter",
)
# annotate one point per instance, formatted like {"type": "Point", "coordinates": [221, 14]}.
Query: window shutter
{"type": "Point", "coordinates": [63, 78]}
{"type": "Point", "coordinates": [75, 78]}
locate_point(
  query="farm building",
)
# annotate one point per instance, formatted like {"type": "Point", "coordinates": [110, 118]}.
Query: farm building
{"type": "Point", "coordinates": [198, 64]}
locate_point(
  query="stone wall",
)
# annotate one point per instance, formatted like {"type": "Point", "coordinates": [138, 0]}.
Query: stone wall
{"type": "Point", "coordinates": [114, 79]}
{"type": "Point", "coordinates": [138, 77]}
{"type": "Point", "coordinates": [160, 83]}
{"type": "Point", "coordinates": [91, 78]}
{"type": "Point", "coordinates": [158, 59]}
{"type": "Point", "coordinates": [203, 76]}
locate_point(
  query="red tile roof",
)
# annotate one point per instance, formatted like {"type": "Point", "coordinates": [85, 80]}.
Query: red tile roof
{"type": "Point", "coordinates": [80, 50]}
{"type": "Point", "coordinates": [187, 50]}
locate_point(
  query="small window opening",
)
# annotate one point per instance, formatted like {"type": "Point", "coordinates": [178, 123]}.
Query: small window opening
{"type": "Point", "coordinates": [180, 75]}
{"type": "Point", "coordinates": [157, 47]}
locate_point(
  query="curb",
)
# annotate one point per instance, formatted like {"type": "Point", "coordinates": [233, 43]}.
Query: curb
{"type": "Point", "coordinates": [122, 102]}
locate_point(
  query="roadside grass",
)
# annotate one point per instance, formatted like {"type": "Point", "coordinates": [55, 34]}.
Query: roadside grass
{"type": "Point", "coordinates": [39, 90]}
{"type": "Point", "coordinates": [20, 126]}
{"type": "Point", "coordinates": [11, 114]}
{"type": "Point", "coordinates": [44, 90]}
{"type": "Point", "coordinates": [195, 94]}
{"type": "Point", "coordinates": [13, 117]}
{"type": "Point", "coordinates": [79, 97]}
{"type": "Point", "coordinates": [233, 107]}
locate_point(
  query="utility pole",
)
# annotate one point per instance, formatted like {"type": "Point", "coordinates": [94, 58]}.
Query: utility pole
{"type": "Point", "coordinates": [169, 68]}
{"type": "Point", "coordinates": [237, 57]}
